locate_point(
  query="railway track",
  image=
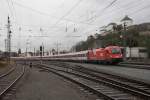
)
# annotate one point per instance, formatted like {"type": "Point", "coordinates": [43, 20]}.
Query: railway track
{"type": "Point", "coordinates": [8, 72]}
{"type": "Point", "coordinates": [137, 63]}
{"type": "Point", "coordinates": [99, 86]}
{"type": "Point", "coordinates": [8, 81]}
{"type": "Point", "coordinates": [147, 67]}
{"type": "Point", "coordinates": [126, 82]}
{"type": "Point", "coordinates": [128, 65]}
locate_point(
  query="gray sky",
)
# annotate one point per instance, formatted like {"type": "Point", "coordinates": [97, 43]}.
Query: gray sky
{"type": "Point", "coordinates": [53, 16]}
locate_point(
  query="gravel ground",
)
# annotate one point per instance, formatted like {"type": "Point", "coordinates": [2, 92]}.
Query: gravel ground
{"type": "Point", "coordinates": [145, 62]}
{"type": "Point", "coordinates": [41, 85]}
{"type": "Point", "coordinates": [4, 69]}
{"type": "Point", "coordinates": [139, 74]}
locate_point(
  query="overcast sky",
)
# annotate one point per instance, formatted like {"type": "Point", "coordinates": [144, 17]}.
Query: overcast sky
{"type": "Point", "coordinates": [64, 22]}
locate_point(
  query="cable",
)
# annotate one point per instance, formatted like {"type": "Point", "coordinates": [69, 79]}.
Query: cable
{"type": "Point", "coordinates": [105, 8]}
{"type": "Point", "coordinates": [120, 9]}
{"type": "Point", "coordinates": [137, 11]}
{"type": "Point", "coordinates": [108, 6]}
{"type": "Point", "coordinates": [34, 10]}
{"type": "Point", "coordinates": [143, 8]}
{"type": "Point", "coordinates": [15, 14]}
{"type": "Point", "coordinates": [55, 17]}
{"type": "Point", "coordinates": [68, 12]}
{"type": "Point", "coordinates": [51, 16]}
{"type": "Point", "coordinates": [19, 35]}
{"type": "Point", "coordinates": [9, 7]}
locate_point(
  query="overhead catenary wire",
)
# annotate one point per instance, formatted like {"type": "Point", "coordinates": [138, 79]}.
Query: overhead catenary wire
{"type": "Point", "coordinates": [102, 10]}
{"type": "Point", "coordinates": [62, 16]}
{"type": "Point", "coordinates": [52, 16]}
{"type": "Point", "coordinates": [139, 10]}
{"type": "Point", "coordinates": [135, 11]}
{"type": "Point", "coordinates": [73, 7]}
{"type": "Point", "coordinates": [91, 24]}
{"type": "Point", "coordinates": [84, 29]}
{"type": "Point", "coordinates": [131, 13]}
{"type": "Point", "coordinates": [105, 8]}
{"type": "Point", "coordinates": [11, 12]}
{"type": "Point", "coordinates": [119, 10]}
{"type": "Point", "coordinates": [34, 10]}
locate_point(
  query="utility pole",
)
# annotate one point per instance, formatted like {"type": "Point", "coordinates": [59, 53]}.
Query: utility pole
{"type": "Point", "coordinates": [126, 21]}
{"type": "Point", "coordinates": [19, 36]}
{"type": "Point", "coordinates": [5, 45]}
{"type": "Point", "coordinates": [57, 47]}
{"type": "Point", "coordinates": [34, 54]}
{"type": "Point", "coordinates": [26, 55]}
{"type": "Point", "coordinates": [124, 40]}
{"type": "Point", "coordinates": [8, 39]}
{"type": "Point", "coordinates": [42, 49]}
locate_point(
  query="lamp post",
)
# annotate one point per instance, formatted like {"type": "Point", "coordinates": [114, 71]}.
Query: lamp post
{"type": "Point", "coordinates": [26, 53]}
{"type": "Point", "coordinates": [57, 47]}
{"type": "Point", "coordinates": [126, 21]}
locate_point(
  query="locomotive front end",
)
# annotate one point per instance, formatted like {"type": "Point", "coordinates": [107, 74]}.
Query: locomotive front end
{"type": "Point", "coordinates": [114, 54]}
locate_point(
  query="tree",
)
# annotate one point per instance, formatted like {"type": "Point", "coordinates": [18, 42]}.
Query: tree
{"type": "Point", "coordinates": [90, 42]}
{"type": "Point", "coordinates": [132, 37]}
{"type": "Point", "coordinates": [53, 51]}
{"type": "Point", "coordinates": [19, 51]}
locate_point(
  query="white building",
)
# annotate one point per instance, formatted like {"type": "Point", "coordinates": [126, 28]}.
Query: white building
{"type": "Point", "coordinates": [136, 52]}
{"type": "Point", "coordinates": [110, 26]}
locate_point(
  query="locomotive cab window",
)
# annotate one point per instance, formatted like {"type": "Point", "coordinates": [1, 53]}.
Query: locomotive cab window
{"type": "Point", "coordinates": [115, 51]}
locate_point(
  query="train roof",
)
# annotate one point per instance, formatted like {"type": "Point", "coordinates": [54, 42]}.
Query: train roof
{"type": "Point", "coordinates": [112, 47]}
{"type": "Point", "coordinates": [73, 53]}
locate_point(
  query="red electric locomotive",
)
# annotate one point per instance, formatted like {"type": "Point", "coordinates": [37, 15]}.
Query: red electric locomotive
{"type": "Point", "coordinates": [110, 54]}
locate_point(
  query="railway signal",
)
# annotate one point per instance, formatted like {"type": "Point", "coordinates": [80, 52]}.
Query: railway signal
{"type": "Point", "coordinates": [41, 49]}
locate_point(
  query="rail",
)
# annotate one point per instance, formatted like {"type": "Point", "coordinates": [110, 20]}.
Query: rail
{"type": "Point", "coordinates": [7, 88]}
{"type": "Point", "coordinates": [146, 96]}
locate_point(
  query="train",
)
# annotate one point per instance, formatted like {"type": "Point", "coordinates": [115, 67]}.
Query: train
{"type": "Point", "coordinates": [107, 55]}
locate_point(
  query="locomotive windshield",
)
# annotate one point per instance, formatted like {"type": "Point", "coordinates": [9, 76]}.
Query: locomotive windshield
{"type": "Point", "coordinates": [116, 51]}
